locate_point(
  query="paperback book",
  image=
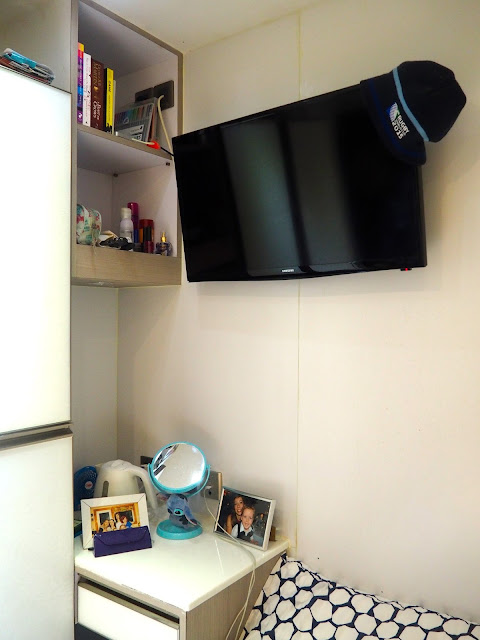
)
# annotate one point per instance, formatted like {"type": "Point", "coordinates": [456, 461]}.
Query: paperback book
{"type": "Point", "coordinates": [81, 50]}
{"type": "Point", "coordinates": [109, 100]}
{"type": "Point", "coordinates": [87, 87]}
{"type": "Point", "coordinates": [97, 112]}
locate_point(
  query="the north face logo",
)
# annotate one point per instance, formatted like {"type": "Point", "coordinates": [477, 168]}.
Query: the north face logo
{"type": "Point", "coordinates": [397, 121]}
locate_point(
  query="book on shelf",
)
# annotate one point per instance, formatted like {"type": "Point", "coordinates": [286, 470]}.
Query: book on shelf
{"type": "Point", "coordinates": [114, 103]}
{"type": "Point", "coordinates": [87, 87]}
{"type": "Point", "coordinates": [95, 92]}
{"type": "Point", "coordinates": [134, 121]}
{"type": "Point", "coordinates": [109, 100]}
{"type": "Point", "coordinates": [81, 49]}
{"type": "Point", "coordinates": [97, 112]}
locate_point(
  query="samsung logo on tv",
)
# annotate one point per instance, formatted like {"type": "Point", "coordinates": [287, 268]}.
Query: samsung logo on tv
{"type": "Point", "coordinates": [288, 270]}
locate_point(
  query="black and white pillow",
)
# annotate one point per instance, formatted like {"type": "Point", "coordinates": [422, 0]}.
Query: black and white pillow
{"type": "Point", "coordinates": [298, 604]}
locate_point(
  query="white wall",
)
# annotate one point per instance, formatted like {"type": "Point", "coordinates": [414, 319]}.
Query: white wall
{"type": "Point", "coordinates": [352, 400]}
{"type": "Point", "coordinates": [94, 375]}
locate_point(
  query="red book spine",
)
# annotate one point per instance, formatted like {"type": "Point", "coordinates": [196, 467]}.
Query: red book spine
{"type": "Point", "coordinates": [97, 112]}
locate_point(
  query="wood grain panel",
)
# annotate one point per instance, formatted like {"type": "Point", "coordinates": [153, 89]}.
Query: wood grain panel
{"type": "Point", "coordinates": [212, 619]}
{"type": "Point", "coordinates": [114, 268]}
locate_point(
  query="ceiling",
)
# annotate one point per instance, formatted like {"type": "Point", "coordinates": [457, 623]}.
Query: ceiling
{"type": "Point", "coordinates": [190, 24]}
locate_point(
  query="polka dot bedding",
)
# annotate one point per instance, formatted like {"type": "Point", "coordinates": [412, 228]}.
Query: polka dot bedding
{"type": "Point", "coordinates": [297, 604]}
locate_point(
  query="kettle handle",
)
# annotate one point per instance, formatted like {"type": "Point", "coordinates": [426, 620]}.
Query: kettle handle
{"type": "Point", "coordinates": [147, 483]}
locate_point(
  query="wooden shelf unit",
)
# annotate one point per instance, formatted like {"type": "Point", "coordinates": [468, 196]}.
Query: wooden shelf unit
{"type": "Point", "coordinates": [114, 268]}
{"type": "Point", "coordinates": [115, 170]}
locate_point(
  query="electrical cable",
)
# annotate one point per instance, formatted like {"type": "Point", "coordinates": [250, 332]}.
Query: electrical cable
{"type": "Point", "coordinates": [159, 108]}
{"type": "Point", "coordinates": [233, 540]}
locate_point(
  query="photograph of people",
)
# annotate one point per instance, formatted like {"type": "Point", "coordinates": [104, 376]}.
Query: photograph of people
{"type": "Point", "coordinates": [235, 516]}
{"type": "Point", "coordinates": [244, 529]}
{"type": "Point", "coordinates": [245, 517]}
{"type": "Point", "coordinates": [104, 522]}
{"type": "Point", "coordinates": [125, 522]}
{"type": "Point", "coordinates": [259, 526]}
{"type": "Point", "coordinates": [109, 525]}
{"type": "Point", "coordinates": [121, 520]}
{"type": "Point", "coordinates": [105, 516]}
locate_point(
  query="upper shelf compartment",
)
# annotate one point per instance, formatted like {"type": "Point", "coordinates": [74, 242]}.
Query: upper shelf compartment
{"type": "Point", "coordinates": [124, 48]}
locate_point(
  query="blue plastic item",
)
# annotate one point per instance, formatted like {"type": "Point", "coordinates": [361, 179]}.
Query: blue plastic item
{"type": "Point", "coordinates": [166, 529]}
{"type": "Point", "coordinates": [83, 485]}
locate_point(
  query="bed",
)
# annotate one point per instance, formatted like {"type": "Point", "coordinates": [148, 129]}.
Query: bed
{"type": "Point", "coordinates": [298, 604]}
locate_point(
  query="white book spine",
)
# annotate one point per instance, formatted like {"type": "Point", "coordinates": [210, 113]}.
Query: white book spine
{"type": "Point", "coordinates": [87, 87]}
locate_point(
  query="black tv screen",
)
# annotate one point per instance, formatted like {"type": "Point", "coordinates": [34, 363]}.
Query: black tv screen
{"type": "Point", "coordinates": [306, 189]}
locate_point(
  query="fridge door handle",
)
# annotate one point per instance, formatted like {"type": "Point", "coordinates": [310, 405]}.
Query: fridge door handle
{"type": "Point", "coordinates": [15, 439]}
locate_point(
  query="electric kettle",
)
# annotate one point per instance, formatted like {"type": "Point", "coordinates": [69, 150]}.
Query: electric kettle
{"type": "Point", "coordinates": [120, 478]}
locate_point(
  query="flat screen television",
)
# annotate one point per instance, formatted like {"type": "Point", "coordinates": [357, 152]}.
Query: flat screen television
{"type": "Point", "coordinates": [302, 190]}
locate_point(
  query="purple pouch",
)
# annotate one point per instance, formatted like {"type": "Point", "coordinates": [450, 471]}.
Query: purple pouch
{"type": "Point", "coordinates": [110, 542]}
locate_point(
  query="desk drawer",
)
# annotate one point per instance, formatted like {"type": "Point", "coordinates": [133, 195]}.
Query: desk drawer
{"type": "Point", "coordinates": [115, 618]}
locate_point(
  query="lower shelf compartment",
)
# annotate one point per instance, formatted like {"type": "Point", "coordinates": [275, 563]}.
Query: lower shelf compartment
{"type": "Point", "coordinates": [102, 266]}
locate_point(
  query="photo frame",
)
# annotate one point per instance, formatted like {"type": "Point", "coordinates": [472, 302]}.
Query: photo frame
{"type": "Point", "coordinates": [246, 517]}
{"type": "Point", "coordinates": [112, 514]}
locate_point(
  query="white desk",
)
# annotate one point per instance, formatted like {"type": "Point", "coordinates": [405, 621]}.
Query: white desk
{"type": "Point", "coordinates": [202, 583]}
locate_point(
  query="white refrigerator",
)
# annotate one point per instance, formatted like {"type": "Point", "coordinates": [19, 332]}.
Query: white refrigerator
{"type": "Point", "coordinates": [36, 526]}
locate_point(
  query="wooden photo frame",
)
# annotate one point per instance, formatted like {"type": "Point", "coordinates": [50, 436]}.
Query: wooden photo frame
{"type": "Point", "coordinates": [246, 517]}
{"type": "Point", "coordinates": [112, 514]}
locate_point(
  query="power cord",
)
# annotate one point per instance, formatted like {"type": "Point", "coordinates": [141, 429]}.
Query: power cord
{"type": "Point", "coordinates": [233, 540]}
{"type": "Point", "coordinates": [169, 144]}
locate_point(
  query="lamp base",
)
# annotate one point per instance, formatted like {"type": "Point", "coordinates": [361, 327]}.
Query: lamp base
{"type": "Point", "coordinates": [166, 529]}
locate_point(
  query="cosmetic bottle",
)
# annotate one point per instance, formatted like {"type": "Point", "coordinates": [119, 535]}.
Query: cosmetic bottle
{"type": "Point", "coordinates": [126, 224]}
{"type": "Point", "coordinates": [147, 235]}
{"type": "Point", "coordinates": [133, 206]}
{"type": "Point", "coordinates": [163, 247]}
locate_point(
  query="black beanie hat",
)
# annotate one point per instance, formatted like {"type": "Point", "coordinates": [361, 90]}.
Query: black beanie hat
{"type": "Point", "coordinates": [415, 103]}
